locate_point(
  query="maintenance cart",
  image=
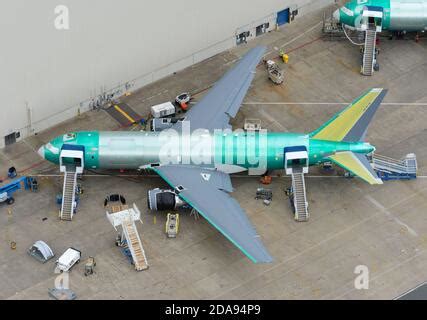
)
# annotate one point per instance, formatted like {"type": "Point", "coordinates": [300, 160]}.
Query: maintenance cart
{"type": "Point", "coordinates": [274, 72]}
{"type": "Point", "coordinates": [172, 225]}
{"type": "Point", "coordinates": [90, 266]}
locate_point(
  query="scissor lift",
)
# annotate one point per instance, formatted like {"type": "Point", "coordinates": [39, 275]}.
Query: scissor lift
{"type": "Point", "coordinates": [7, 190]}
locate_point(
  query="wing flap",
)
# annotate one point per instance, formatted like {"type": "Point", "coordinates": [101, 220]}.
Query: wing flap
{"type": "Point", "coordinates": [223, 101]}
{"type": "Point", "coordinates": [206, 190]}
{"type": "Point", "coordinates": [357, 164]}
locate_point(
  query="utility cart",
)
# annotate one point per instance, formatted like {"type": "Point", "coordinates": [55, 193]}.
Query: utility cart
{"type": "Point", "coordinates": [274, 72]}
{"type": "Point", "coordinates": [90, 266]}
{"type": "Point", "coordinates": [172, 225]}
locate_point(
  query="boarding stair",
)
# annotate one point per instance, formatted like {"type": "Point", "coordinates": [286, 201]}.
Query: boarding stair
{"type": "Point", "coordinates": [126, 219]}
{"type": "Point", "coordinates": [299, 194]}
{"type": "Point", "coordinates": [135, 245]}
{"type": "Point", "coordinates": [296, 165]}
{"type": "Point", "coordinates": [71, 163]}
{"type": "Point", "coordinates": [369, 50]}
{"type": "Point", "coordinates": [392, 169]}
{"type": "Point", "coordinates": [69, 193]}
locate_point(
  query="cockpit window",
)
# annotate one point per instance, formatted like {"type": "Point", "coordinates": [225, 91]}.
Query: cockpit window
{"type": "Point", "coordinates": [69, 136]}
{"type": "Point", "coordinates": [347, 11]}
{"type": "Point", "coordinates": [49, 146]}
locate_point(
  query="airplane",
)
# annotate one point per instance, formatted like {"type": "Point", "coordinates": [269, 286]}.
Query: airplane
{"type": "Point", "coordinates": [392, 15]}
{"type": "Point", "coordinates": [196, 156]}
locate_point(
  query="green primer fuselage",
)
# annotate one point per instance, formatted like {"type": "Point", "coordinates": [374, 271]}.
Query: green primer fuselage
{"type": "Point", "coordinates": [133, 150]}
{"type": "Point", "coordinates": [399, 15]}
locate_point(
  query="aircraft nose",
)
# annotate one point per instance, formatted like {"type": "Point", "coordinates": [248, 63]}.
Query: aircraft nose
{"type": "Point", "coordinates": [41, 151]}
{"type": "Point", "coordinates": [336, 15]}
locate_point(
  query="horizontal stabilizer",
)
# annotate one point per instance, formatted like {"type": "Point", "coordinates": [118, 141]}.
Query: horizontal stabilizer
{"type": "Point", "coordinates": [357, 164]}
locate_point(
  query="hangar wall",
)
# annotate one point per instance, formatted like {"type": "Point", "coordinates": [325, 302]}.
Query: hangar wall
{"type": "Point", "coordinates": [49, 75]}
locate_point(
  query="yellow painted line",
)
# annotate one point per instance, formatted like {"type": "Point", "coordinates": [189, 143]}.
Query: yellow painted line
{"type": "Point", "coordinates": [124, 114]}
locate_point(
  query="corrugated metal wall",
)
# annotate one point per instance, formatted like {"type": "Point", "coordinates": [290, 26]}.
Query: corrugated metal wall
{"type": "Point", "coordinates": [47, 74]}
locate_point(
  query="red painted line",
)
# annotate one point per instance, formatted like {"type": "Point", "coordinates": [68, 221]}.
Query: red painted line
{"type": "Point", "coordinates": [261, 64]}
{"type": "Point", "coordinates": [304, 45]}
{"type": "Point", "coordinates": [32, 166]}
{"type": "Point", "coordinates": [24, 170]}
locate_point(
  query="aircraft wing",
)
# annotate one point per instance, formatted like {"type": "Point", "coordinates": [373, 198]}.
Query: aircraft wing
{"type": "Point", "coordinates": [223, 101]}
{"type": "Point", "coordinates": [207, 191]}
{"type": "Point", "coordinates": [357, 164]}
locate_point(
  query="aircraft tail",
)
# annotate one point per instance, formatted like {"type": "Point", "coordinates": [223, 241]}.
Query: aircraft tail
{"type": "Point", "coordinates": [351, 124]}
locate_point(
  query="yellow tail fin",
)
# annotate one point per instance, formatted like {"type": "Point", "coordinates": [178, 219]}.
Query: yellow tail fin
{"type": "Point", "coordinates": [351, 123]}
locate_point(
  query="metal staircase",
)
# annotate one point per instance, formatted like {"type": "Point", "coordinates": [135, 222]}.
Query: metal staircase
{"type": "Point", "coordinates": [299, 195]}
{"type": "Point", "coordinates": [130, 237]}
{"type": "Point", "coordinates": [369, 51]}
{"type": "Point", "coordinates": [135, 245]}
{"type": "Point", "coordinates": [71, 163]}
{"type": "Point", "coordinates": [393, 169]}
{"type": "Point", "coordinates": [69, 193]}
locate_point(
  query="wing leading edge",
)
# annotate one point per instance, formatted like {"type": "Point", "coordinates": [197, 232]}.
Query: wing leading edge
{"type": "Point", "coordinates": [207, 191]}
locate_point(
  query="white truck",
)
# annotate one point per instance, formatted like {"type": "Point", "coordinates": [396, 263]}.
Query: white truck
{"type": "Point", "coordinates": [68, 259]}
{"type": "Point", "coordinates": [166, 109]}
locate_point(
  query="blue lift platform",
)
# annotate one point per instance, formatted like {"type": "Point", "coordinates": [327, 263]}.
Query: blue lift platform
{"type": "Point", "coordinates": [7, 190]}
{"type": "Point", "coordinates": [393, 169]}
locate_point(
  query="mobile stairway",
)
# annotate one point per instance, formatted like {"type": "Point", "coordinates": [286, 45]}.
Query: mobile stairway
{"type": "Point", "coordinates": [369, 51]}
{"type": "Point", "coordinates": [371, 23]}
{"type": "Point", "coordinates": [71, 164]}
{"type": "Point", "coordinates": [393, 169]}
{"type": "Point", "coordinates": [129, 238]}
{"type": "Point", "coordinates": [299, 196]}
{"type": "Point", "coordinates": [296, 165]}
{"type": "Point", "coordinates": [69, 193]}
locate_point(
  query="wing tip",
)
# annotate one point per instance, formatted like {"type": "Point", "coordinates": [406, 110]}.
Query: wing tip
{"type": "Point", "coordinates": [382, 91]}
{"type": "Point", "coordinates": [378, 181]}
{"type": "Point", "coordinates": [263, 260]}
